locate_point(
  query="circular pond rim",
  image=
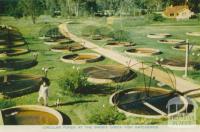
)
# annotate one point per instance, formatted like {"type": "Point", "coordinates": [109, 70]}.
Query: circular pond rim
{"type": "Point", "coordinates": [21, 92]}
{"type": "Point", "coordinates": [178, 47]}
{"type": "Point", "coordinates": [60, 41]}
{"type": "Point", "coordinates": [98, 57]}
{"type": "Point", "coordinates": [159, 35]}
{"type": "Point", "coordinates": [66, 48]}
{"type": "Point", "coordinates": [44, 37]}
{"type": "Point", "coordinates": [24, 64]}
{"type": "Point", "coordinates": [171, 41]}
{"type": "Point", "coordinates": [18, 43]}
{"type": "Point", "coordinates": [97, 37]}
{"type": "Point", "coordinates": [119, 44]}
{"type": "Point", "coordinates": [153, 52]}
{"type": "Point", "coordinates": [175, 68]}
{"type": "Point", "coordinates": [116, 79]}
{"type": "Point", "coordinates": [39, 108]}
{"type": "Point", "coordinates": [51, 43]}
{"type": "Point", "coordinates": [14, 44]}
{"type": "Point", "coordinates": [17, 52]}
{"type": "Point", "coordinates": [129, 114]}
{"type": "Point", "coordinates": [196, 34]}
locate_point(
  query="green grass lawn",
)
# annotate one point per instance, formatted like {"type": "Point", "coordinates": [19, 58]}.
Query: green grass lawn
{"type": "Point", "coordinates": [139, 32]}
{"type": "Point", "coordinates": [80, 107]}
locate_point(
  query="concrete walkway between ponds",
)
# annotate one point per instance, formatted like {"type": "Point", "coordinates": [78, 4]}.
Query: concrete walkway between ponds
{"type": "Point", "coordinates": [181, 84]}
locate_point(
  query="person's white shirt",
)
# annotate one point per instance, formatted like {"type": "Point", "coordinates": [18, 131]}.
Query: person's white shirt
{"type": "Point", "coordinates": [43, 92]}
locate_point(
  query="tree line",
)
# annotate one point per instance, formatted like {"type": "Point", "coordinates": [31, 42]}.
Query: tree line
{"type": "Point", "coordinates": [67, 8]}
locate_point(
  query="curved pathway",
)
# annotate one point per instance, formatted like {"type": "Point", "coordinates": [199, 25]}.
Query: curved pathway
{"type": "Point", "coordinates": [181, 84]}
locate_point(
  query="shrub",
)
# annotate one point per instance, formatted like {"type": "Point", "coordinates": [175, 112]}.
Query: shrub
{"type": "Point", "coordinates": [44, 29]}
{"type": "Point", "coordinates": [73, 82]}
{"type": "Point", "coordinates": [106, 116]}
{"type": "Point", "coordinates": [121, 35]}
{"type": "Point", "coordinates": [50, 31]}
{"type": "Point", "coordinates": [194, 16]}
{"type": "Point", "coordinates": [157, 17]}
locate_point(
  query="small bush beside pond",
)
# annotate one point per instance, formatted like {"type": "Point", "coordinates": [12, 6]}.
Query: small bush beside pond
{"type": "Point", "coordinates": [106, 116]}
{"type": "Point", "coordinates": [73, 82]}
{"type": "Point", "coordinates": [51, 31]}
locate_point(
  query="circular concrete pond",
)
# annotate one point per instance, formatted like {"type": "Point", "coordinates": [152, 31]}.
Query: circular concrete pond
{"type": "Point", "coordinates": [16, 43]}
{"type": "Point", "coordinates": [15, 85]}
{"type": "Point", "coordinates": [197, 34]}
{"type": "Point", "coordinates": [159, 35]}
{"type": "Point", "coordinates": [143, 51]}
{"type": "Point", "coordinates": [81, 58]}
{"type": "Point", "coordinates": [67, 48]}
{"type": "Point", "coordinates": [17, 63]}
{"type": "Point", "coordinates": [31, 115]}
{"type": "Point", "coordinates": [177, 64]}
{"type": "Point", "coordinates": [97, 37]}
{"type": "Point", "coordinates": [154, 103]}
{"type": "Point", "coordinates": [66, 41]}
{"type": "Point", "coordinates": [171, 41]}
{"type": "Point", "coordinates": [10, 34]}
{"type": "Point", "coordinates": [51, 41]}
{"type": "Point", "coordinates": [102, 74]}
{"type": "Point", "coordinates": [119, 44]}
{"type": "Point", "coordinates": [13, 52]}
{"type": "Point", "coordinates": [182, 47]}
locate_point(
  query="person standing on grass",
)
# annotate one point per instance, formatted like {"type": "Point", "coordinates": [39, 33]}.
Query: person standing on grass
{"type": "Point", "coordinates": [44, 91]}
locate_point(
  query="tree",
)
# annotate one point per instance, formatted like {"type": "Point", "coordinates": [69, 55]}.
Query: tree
{"type": "Point", "coordinates": [52, 6]}
{"type": "Point", "coordinates": [33, 8]}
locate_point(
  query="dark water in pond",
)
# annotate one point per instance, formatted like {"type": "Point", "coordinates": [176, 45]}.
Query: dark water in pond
{"type": "Point", "coordinates": [80, 57]}
{"type": "Point", "coordinates": [132, 103]}
{"type": "Point", "coordinates": [16, 82]}
{"type": "Point", "coordinates": [17, 63]}
{"type": "Point", "coordinates": [29, 117]}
